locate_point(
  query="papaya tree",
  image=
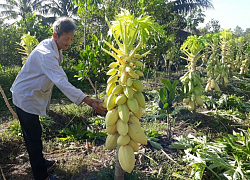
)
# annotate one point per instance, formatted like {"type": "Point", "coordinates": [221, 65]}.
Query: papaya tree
{"type": "Point", "coordinates": [213, 67]}
{"type": "Point", "coordinates": [125, 99]}
{"type": "Point", "coordinates": [192, 82]}
{"type": "Point", "coordinates": [227, 55]}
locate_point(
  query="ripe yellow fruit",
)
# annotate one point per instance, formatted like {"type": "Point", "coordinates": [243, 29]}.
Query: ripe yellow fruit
{"type": "Point", "coordinates": [129, 82]}
{"type": "Point", "coordinates": [128, 92]}
{"type": "Point", "coordinates": [123, 78]}
{"type": "Point", "coordinates": [126, 158]}
{"type": "Point", "coordinates": [117, 89]}
{"type": "Point", "coordinates": [122, 127]}
{"type": "Point", "coordinates": [113, 64]}
{"type": "Point", "coordinates": [110, 88]}
{"type": "Point", "coordinates": [123, 140]}
{"type": "Point", "coordinates": [139, 73]}
{"type": "Point", "coordinates": [112, 72]}
{"type": "Point", "coordinates": [134, 145]}
{"type": "Point", "coordinates": [216, 87]}
{"type": "Point", "coordinates": [111, 129]}
{"type": "Point", "coordinates": [191, 106]}
{"type": "Point", "coordinates": [112, 79]}
{"type": "Point", "coordinates": [198, 100]}
{"type": "Point", "coordinates": [134, 119]}
{"type": "Point", "coordinates": [186, 100]}
{"type": "Point", "coordinates": [138, 63]}
{"type": "Point", "coordinates": [104, 104]}
{"type": "Point", "coordinates": [133, 74]}
{"type": "Point", "coordinates": [123, 112]}
{"type": "Point", "coordinates": [136, 133]}
{"type": "Point", "coordinates": [111, 141]}
{"type": "Point", "coordinates": [137, 84]}
{"type": "Point", "coordinates": [140, 98]}
{"type": "Point", "coordinates": [208, 86]}
{"type": "Point", "coordinates": [212, 84]}
{"type": "Point", "coordinates": [133, 105]}
{"type": "Point", "coordinates": [111, 101]}
{"type": "Point", "coordinates": [111, 117]}
{"type": "Point", "coordinates": [121, 99]}
{"type": "Point", "coordinates": [139, 113]}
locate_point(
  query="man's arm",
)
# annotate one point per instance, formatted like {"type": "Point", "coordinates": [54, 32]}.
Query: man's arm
{"type": "Point", "coordinates": [95, 104]}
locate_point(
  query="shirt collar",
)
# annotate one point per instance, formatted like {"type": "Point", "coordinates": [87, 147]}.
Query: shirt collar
{"type": "Point", "coordinates": [55, 48]}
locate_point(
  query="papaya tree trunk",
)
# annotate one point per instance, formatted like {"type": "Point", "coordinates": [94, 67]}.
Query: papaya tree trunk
{"type": "Point", "coordinates": [119, 172]}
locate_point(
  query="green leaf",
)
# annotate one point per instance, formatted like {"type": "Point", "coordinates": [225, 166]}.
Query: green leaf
{"type": "Point", "coordinates": [155, 145]}
{"type": "Point", "coordinates": [163, 94]}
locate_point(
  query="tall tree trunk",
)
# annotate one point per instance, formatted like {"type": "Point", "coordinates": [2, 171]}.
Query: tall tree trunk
{"type": "Point", "coordinates": [119, 172]}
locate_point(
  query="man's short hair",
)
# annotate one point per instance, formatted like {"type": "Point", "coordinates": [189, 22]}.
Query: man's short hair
{"type": "Point", "coordinates": [64, 25]}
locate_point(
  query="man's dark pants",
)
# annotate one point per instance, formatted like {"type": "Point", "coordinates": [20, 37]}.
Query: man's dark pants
{"type": "Point", "coordinates": [32, 132]}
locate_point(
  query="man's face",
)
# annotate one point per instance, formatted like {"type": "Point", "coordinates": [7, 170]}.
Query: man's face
{"type": "Point", "coordinates": [64, 41]}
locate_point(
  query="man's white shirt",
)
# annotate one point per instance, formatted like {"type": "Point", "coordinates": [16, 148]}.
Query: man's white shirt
{"type": "Point", "coordinates": [32, 88]}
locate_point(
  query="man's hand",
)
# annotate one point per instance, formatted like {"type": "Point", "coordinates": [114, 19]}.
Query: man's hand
{"type": "Point", "coordinates": [95, 104]}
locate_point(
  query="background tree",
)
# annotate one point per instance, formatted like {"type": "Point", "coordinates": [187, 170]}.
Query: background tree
{"type": "Point", "coordinates": [19, 9]}
{"type": "Point", "coordinates": [238, 31]}
{"type": "Point", "coordinates": [186, 6]}
{"type": "Point", "coordinates": [60, 8]}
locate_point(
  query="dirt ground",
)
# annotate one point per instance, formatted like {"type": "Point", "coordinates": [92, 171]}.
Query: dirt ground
{"type": "Point", "coordinates": [86, 160]}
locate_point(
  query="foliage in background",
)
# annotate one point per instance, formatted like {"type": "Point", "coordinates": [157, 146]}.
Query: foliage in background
{"type": "Point", "coordinates": [11, 35]}
{"type": "Point", "coordinates": [227, 157]}
{"type": "Point", "coordinates": [28, 43]}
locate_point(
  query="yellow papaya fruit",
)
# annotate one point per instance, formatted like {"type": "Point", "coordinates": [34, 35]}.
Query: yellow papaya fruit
{"type": "Point", "coordinates": [212, 84]}
{"type": "Point", "coordinates": [110, 88]}
{"type": "Point", "coordinates": [140, 98]}
{"type": "Point", "coordinates": [112, 72]}
{"type": "Point", "coordinates": [137, 84]}
{"type": "Point", "coordinates": [113, 64]}
{"type": "Point", "coordinates": [133, 105]}
{"type": "Point", "coordinates": [117, 89]}
{"type": "Point", "coordinates": [126, 158]}
{"type": "Point", "coordinates": [121, 99]}
{"type": "Point", "coordinates": [123, 112]}
{"type": "Point", "coordinates": [198, 100]}
{"type": "Point", "coordinates": [139, 113]}
{"type": "Point", "coordinates": [111, 129]}
{"type": "Point", "coordinates": [136, 133]}
{"type": "Point", "coordinates": [122, 127]}
{"type": "Point", "coordinates": [134, 145]}
{"type": "Point", "coordinates": [123, 140]}
{"type": "Point", "coordinates": [139, 73]}
{"type": "Point", "coordinates": [111, 101]}
{"type": "Point", "coordinates": [111, 141]}
{"type": "Point", "coordinates": [134, 119]}
{"type": "Point", "coordinates": [128, 92]}
{"type": "Point", "coordinates": [112, 79]}
{"type": "Point", "coordinates": [111, 117]}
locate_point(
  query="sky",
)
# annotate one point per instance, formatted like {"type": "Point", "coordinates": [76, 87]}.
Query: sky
{"type": "Point", "coordinates": [229, 13]}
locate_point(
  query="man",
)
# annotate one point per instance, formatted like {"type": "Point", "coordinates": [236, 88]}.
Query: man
{"type": "Point", "coordinates": [32, 88]}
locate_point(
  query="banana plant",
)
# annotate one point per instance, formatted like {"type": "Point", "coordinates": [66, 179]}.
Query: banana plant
{"type": "Point", "coordinates": [125, 100]}
{"type": "Point", "coordinates": [192, 82]}
{"type": "Point", "coordinates": [28, 43]}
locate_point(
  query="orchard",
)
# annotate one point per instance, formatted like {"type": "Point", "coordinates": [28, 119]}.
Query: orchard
{"type": "Point", "coordinates": [177, 106]}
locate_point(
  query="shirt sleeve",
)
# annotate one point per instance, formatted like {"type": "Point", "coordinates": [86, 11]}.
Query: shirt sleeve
{"type": "Point", "coordinates": [51, 68]}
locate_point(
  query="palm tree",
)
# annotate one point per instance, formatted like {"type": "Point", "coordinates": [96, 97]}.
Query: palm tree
{"type": "Point", "coordinates": [19, 9]}
{"type": "Point", "coordinates": [186, 6]}
{"type": "Point", "coordinates": [61, 8]}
